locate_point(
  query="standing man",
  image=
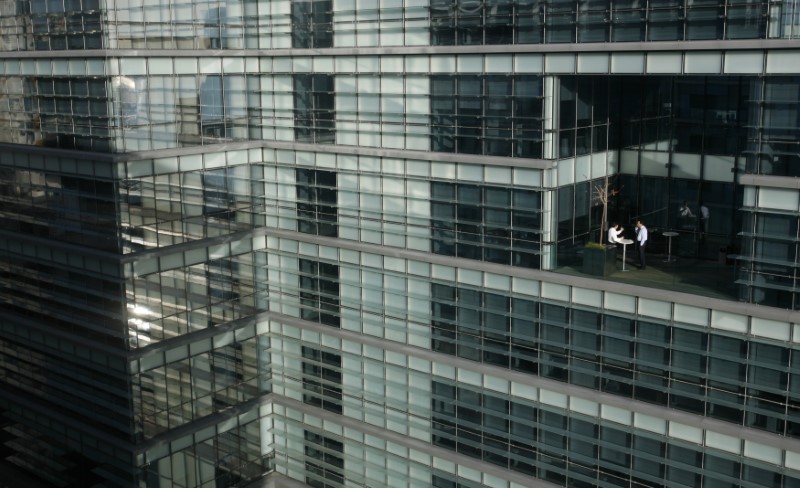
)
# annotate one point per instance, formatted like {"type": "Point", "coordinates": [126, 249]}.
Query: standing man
{"type": "Point", "coordinates": [704, 214]}
{"type": "Point", "coordinates": [641, 240]}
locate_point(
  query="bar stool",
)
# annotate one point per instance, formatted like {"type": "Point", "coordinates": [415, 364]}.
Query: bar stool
{"type": "Point", "coordinates": [624, 243]}
{"type": "Point", "coordinates": [669, 235]}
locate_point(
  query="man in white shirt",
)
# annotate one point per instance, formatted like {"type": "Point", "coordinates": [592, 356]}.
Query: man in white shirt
{"type": "Point", "coordinates": [704, 214]}
{"type": "Point", "coordinates": [685, 211]}
{"type": "Point", "coordinates": [641, 241]}
{"type": "Point", "coordinates": [614, 233]}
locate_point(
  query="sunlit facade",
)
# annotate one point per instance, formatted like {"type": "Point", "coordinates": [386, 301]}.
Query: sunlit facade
{"type": "Point", "coordinates": [340, 242]}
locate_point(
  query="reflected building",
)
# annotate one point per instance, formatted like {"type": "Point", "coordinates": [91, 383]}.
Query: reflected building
{"type": "Point", "coordinates": [340, 243]}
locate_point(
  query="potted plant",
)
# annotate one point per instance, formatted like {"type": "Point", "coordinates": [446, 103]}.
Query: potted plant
{"type": "Point", "coordinates": [600, 259]}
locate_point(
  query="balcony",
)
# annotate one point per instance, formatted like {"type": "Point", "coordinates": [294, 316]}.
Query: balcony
{"type": "Point", "coordinates": [699, 266]}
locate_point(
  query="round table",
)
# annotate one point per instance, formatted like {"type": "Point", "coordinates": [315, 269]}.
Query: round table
{"type": "Point", "coordinates": [624, 243]}
{"type": "Point", "coordinates": [669, 235]}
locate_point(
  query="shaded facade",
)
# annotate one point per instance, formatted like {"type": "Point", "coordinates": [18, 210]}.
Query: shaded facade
{"type": "Point", "coordinates": [340, 242]}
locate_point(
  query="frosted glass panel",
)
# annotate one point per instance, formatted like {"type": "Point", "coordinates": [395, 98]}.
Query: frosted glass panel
{"type": "Point", "coordinates": [654, 163]}
{"type": "Point", "coordinates": [653, 424]}
{"type": "Point", "coordinates": [686, 165]}
{"type": "Point", "coordinates": [719, 168]}
{"type": "Point", "coordinates": [782, 199]}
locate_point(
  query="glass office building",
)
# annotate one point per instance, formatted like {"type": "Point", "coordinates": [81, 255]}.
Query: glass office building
{"type": "Point", "coordinates": [339, 242]}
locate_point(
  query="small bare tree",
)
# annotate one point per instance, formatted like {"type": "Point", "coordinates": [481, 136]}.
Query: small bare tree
{"type": "Point", "coordinates": [602, 193]}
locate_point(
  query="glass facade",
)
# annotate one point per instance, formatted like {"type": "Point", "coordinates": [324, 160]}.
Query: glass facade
{"type": "Point", "coordinates": [573, 450]}
{"type": "Point", "coordinates": [341, 243]}
{"type": "Point", "coordinates": [75, 25]}
{"type": "Point", "coordinates": [312, 24]}
{"type": "Point", "coordinates": [314, 108]}
{"type": "Point", "coordinates": [769, 254]}
{"type": "Point", "coordinates": [319, 377]}
{"type": "Point", "coordinates": [316, 202]}
{"type": "Point", "coordinates": [492, 115]}
{"type": "Point", "coordinates": [584, 21]}
{"type": "Point", "coordinates": [718, 376]}
{"type": "Point", "coordinates": [482, 223]}
{"type": "Point", "coordinates": [325, 450]}
{"type": "Point", "coordinates": [319, 292]}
